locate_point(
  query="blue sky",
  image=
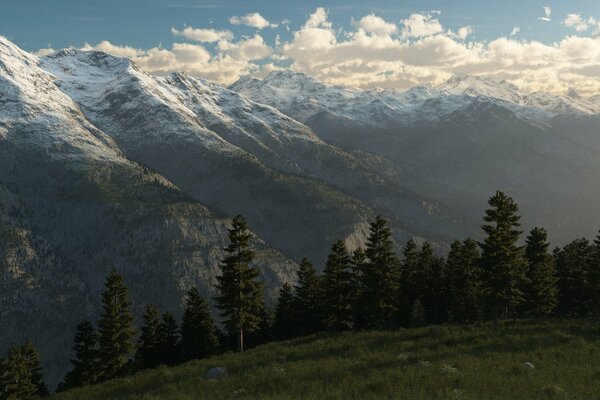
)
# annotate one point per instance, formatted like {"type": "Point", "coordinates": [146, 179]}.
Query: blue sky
{"type": "Point", "coordinates": [34, 24]}
{"type": "Point", "coordinates": [146, 30]}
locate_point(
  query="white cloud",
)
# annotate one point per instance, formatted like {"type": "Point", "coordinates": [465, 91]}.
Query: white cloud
{"type": "Point", "coordinates": [375, 25]}
{"type": "Point", "coordinates": [376, 52]}
{"type": "Point", "coordinates": [464, 32]}
{"type": "Point", "coordinates": [547, 17]}
{"type": "Point", "coordinates": [580, 24]}
{"type": "Point", "coordinates": [254, 20]}
{"type": "Point", "coordinates": [515, 31]}
{"type": "Point", "coordinates": [202, 35]}
{"type": "Point", "coordinates": [44, 52]}
{"type": "Point", "coordinates": [419, 25]}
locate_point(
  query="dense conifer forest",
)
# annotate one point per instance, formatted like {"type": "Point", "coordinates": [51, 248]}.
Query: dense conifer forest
{"type": "Point", "coordinates": [508, 275]}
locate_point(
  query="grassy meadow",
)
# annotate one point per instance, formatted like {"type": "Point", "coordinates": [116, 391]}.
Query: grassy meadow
{"type": "Point", "coordinates": [477, 361]}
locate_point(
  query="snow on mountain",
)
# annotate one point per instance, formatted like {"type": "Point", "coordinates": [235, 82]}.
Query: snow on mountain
{"type": "Point", "coordinates": [34, 110]}
{"type": "Point", "coordinates": [303, 97]}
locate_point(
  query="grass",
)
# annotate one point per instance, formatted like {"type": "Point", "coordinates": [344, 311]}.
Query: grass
{"type": "Point", "coordinates": [440, 362]}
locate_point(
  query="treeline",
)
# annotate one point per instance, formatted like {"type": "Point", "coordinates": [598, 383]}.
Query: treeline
{"type": "Point", "coordinates": [369, 288]}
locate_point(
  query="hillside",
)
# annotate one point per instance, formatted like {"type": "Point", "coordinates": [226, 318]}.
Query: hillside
{"type": "Point", "coordinates": [441, 362]}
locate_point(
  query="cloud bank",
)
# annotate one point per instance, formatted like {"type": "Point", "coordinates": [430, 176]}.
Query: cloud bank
{"type": "Point", "coordinates": [380, 53]}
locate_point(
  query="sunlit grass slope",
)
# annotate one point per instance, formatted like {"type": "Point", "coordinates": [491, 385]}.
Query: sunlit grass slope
{"type": "Point", "coordinates": [440, 362]}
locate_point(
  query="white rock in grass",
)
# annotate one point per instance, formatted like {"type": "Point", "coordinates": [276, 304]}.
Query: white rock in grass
{"type": "Point", "coordinates": [527, 365]}
{"type": "Point", "coordinates": [449, 369]}
{"type": "Point", "coordinates": [215, 373]}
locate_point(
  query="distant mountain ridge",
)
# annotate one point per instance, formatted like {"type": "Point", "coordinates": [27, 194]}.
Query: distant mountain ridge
{"type": "Point", "coordinates": [103, 166]}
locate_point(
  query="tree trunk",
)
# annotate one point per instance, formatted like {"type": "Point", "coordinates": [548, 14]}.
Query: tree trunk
{"type": "Point", "coordinates": [240, 344]}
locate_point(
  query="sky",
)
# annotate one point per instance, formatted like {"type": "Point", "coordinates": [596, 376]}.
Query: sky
{"type": "Point", "coordinates": [548, 45]}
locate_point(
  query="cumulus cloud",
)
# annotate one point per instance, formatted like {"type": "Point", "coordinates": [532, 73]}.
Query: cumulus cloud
{"type": "Point", "coordinates": [202, 35]}
{"type": "Point", "coordinates": [380, 53]}
{"type": "Point", "coordinates": [580, 24]}
{"type": "Point", "coordinates": [464, 32]}
{"type": "Point", "coordinates": [547, 17]}
{"type": "Point", "coordinates": [254, 20]}
{"type": "Point", "coordinates": [425, 52]}
{"type": "Point", "coordinates": [515, 31]}
{"type": "Point", "coordinates": [419, 25]}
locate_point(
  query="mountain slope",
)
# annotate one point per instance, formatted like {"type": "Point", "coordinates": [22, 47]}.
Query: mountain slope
{"type": "Point", "coordinates": [461, 141]}
{"type": "Point", "coordinates": [72, 208]}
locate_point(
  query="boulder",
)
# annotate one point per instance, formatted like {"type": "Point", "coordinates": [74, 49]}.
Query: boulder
{"type": "Point", "coordinates": [215, 372]}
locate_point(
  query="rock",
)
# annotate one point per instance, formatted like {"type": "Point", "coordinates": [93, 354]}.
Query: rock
{"type": "Point", "coordinates": [449, 369]}
{"type": "Point", "coordinates": [215, 373]}
{"type": "Point", "coordinates": [527, 365]}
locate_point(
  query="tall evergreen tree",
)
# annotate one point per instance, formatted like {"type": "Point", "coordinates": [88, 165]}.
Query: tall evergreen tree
{"type": "Point", "coordinates": [149, 344]}
{"type": "Point", "coordinates": [380, 277]}
{"type": "Point", "coordinates": [572, 266]}
{"type": "Point", "coordinates": [198, 333]}
{"type": "Point", "coordinates": [462, 280]}
{"type": "Point", "coordinates": [32, 359]}
{"type": "Point", "coordinates": [85, 364]}
{"type": "Point", "coordinates": [115, 328]}
{"type": "Point", "coordinates": [410, 277]}
{"type": "Point", "coordinates": [502, 262]}
{"type": "Point", "coordinates": [168, 331]}
{"type": "Point", "coordinates": [240, 297]}
{"type": "Point", "coordinates": [337, 289]}
{"type": "Point", "coordinates": [593, 276]}
{"type": "Point", "coordinates": [541, 287]}
{"type": "Point", "coordinates": [16, 377]}
{"type": "Point", "coordinates": [285, 321]}
{"type": "Point", "coordinates": [307, 300]}
{"type": "Point", "coordinates": [431, 285]}
{"type": "Point", "coordinates": [21, 374]}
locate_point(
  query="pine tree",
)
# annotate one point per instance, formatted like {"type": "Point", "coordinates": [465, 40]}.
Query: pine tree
{"type": "Point", "coordinates": [198, 332]}
{"type": "Point", "coordinates": [541, 289]}
{"type": "Point", "coordinates": [572, 266]}
{"type": "Point", "coordinates": [149, 344]}
{"type": "Point", "coordinates": [502, 262]}
{"type": "Point", "coordinates": [593, 276]}
{"type": "Point", "coordinates": [264, 331]}
{"type": "Point", "coordinates": [380, 277]}
{"type": "Point", "coordinates": [307, 300]}
{"type": "Point", "coordinates": [21, 374]}
{"type": "Point", "coordinates": [431, 285]}
{"type": "Point", "coordinates": [418, 314]}
{"type": "Point", "coordinates": [337, 289]}
{"type": "Point", "coordinates": [115, 328]}
{"type": "Point", "coordinates": [463, 281]}
{"type": "Point", "coordinates": [16, 381]}
{"type": "Point", "coordinates": [408, 291]}
{"type": "Point", "coordinates": [285, 321]}
{"type": "Point", "coordinates": [32, 360]}
{"type": "Point", "coordinates": [168, 333]}
{"type": "Point", "coordinates": [85, 364]}
{"type": "Point", "coordinates": [359, 259]}
{"type": "Point", "coordinates": [240, 297]}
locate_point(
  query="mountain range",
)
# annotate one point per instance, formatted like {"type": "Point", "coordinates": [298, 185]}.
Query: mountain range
{"type": "Point", "coordinates": [104, 166]}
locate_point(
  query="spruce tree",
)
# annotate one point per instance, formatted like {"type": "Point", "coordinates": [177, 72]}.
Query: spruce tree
{"type": "Point", "coordinates": [168, 332]}
{"type": "Point", "coordinates": [32, 359]}
{"type": "Point", "coordinates": [408, 291]}
{"type": "Point", "coordinates": [431, 285]}
{"type": "Point", "coordinates": [85, 364]}
{"type": "Point", "coordinates": [572, 270]}
{"type": "Point", "coordinates": [16, 376]}
{"type": "Point", "coordinates": [463, 281]}
{"type": "Point", "coordinates": [593, 276]}
{"type": "Point", "coordinates": [285, 321]}
{"type": "Point", "coordinates": [541, 287]}
{"type": "Point", "coordinates": [115, 328]}
{"type": "Point", "coordinates": [21, 374]}
{"type": "Point", "coordinates": [240, 297]}
{"type": "Point", "coordinates": [502, 262]}
{"type": "Point", "coordinates": [337, 289]}
{"type": "Point", "coordinates": [149, 343]}
{"type": "Point", "coordinates": [198, 333]}
{"type": "Point", "coordinates": [380, 277]}
{"type": "Point", "coordinates": [307, 300]}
